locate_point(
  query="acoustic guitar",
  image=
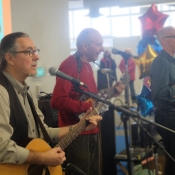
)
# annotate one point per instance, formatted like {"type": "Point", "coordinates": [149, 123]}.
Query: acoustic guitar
{"type": "Point", "coordinates": [40, 145]}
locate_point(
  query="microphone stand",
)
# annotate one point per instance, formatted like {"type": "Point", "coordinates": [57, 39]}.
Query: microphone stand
{"type": "Point", "coordinates": [157, 144]}
{"type": "Point", "coordinates": [135, 115]}
{"type": "Point", "coordinates": [125, 118]}
{"type": "Point", "coordinates": [126, 113]}
{"type": "Point", "coordinates": [73, 168]}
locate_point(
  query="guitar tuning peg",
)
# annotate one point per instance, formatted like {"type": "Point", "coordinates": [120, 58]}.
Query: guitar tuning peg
{"type": "Point", "coordinates": [99, 94]}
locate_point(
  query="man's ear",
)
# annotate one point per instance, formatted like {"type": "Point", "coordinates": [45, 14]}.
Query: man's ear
{"type": "Point", "coordinates": [9, 58]}
{"type": "Point", "coordinates": [163, 41]}
{"type": "Point", "coordinates": [84, 46]}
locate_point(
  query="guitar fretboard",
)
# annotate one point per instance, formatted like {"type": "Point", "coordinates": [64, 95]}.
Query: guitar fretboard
{"type": "Point", "coordinates": [78, 128]}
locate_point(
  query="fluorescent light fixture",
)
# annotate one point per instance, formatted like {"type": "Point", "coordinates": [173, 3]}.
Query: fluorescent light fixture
{"type": "Point", "coordinates": [40, 72]}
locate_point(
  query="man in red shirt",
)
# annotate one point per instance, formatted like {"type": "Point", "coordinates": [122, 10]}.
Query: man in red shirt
{"type": "Point", "coordinates": [131, 65]}
{"type": "Point", "coordinates": [107, 73]}
{"type": "Point", "coordinates": [84, 151]}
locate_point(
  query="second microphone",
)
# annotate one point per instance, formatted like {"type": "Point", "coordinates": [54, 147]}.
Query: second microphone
{"type": "Point", "coordinates": [55, 72]}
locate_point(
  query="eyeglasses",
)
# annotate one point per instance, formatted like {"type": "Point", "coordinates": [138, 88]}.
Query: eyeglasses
{"type": "Point", "coordinates": [29, 52]}
{"type": "Point", "coordinates": [171, 36]}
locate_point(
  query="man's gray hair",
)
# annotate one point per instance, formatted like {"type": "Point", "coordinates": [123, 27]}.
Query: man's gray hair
{"type": "Point", "coordinates": [85, 36]}
{"type": "Point", "coordinates": [8, 45]}
{"type": "Point", "coordinates": [165, 31]}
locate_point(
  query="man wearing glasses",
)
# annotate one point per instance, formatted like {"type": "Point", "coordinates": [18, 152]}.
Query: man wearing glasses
{"type": "Point", "coordinates": [18, 114]}
{"type": "Point", "coordinates": [163, 91]}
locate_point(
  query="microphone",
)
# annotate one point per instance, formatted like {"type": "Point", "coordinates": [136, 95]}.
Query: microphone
{"type": "Point", "coordinates": [75, 169]}
{"type": "Point", "coordinates": [53, 71]}
{"type": "Point", "coordinates": [123, 54]}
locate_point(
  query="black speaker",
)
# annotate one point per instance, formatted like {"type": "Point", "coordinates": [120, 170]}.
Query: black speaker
{"type": "Point", "coordinates": [108, 144]}
{"type": "Point", "coordinates": [50, 114]}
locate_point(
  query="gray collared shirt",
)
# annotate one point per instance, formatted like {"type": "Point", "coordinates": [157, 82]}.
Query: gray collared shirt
{"type": "Point", "coordinates": [10, 152]}
{"type": "Point", "coordinates": [163, 81]}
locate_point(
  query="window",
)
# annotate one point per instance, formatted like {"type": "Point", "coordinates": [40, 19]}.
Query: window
{"type": "Point", "coordinates": [121, 26]}
{"type": "Point", "coordinates": [103, 22]}
{"type": "Point", "coordinates": [114, 22]}
{"type": "Point", "coordinates": [135, 26]}
{"type": "Point", "coordinates": [79, 21]}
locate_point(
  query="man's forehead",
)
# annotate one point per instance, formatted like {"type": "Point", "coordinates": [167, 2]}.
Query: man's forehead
{"type": "Point", "coordinates": [96, 39]}
{"type": "Point", "coordinates": [24, 42]}
{"type": "Point", "coordinates": [167, 32]}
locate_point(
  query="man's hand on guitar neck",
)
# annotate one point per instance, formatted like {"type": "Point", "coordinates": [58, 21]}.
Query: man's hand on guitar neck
{"type": "Point", "coordinates": [119, 87]}
{"type": "Point", "coordinates": [114, 91]}
{"type": "Point", "coordinates": [93, 120]}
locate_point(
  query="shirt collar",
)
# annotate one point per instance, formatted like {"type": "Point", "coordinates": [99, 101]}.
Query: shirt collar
{"type": "Point", "coordinates": [20, 88]}
{"type": "Point", "coordinates": [168, 56]}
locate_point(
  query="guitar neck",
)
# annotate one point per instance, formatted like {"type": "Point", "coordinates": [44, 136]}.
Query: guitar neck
{"type": "Point", "coordinates": [77, 129]}
{"type": "Point", "coordinates": [107, 93]}
{"type": "Point", "coordinates": [82, 124]}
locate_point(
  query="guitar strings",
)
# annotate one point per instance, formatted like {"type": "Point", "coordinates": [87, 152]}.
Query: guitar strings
{"type": "Point", "coordinates": [77, 129]}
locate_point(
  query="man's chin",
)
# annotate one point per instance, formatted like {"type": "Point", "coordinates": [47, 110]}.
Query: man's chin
{"type": "Point", "coordinates": [32, 74]}
{"type": "Point", "coordinates": [94, 59]}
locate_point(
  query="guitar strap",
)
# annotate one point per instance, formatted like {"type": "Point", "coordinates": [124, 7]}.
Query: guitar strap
{"type": "Point", "coordinates": [79, 63]}
{"type": "Point", "coordinates": [38, 121]}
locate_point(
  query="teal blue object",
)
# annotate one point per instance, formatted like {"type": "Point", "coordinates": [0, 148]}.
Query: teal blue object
{"type": "Point", "coordinates": [40, 72]}
{"type": "Point", "coordinates": [144, 102]}
{"type": "Point", "coordinates": [152, 41]}
{"type": "Point", "coordinates": [1, 21]}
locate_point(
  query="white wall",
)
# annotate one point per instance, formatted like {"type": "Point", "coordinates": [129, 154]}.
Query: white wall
{"type": "Point", "coordinates": [46, 22]}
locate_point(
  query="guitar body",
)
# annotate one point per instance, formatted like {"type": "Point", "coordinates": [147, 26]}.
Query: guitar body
{"type": "Point", "coordinates": [38, 145]}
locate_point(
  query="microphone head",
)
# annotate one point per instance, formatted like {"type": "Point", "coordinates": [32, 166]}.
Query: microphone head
{"type": "Point", "coordinates": [114, 50]}
{"type": "Point", "coordinates": [52, 71]}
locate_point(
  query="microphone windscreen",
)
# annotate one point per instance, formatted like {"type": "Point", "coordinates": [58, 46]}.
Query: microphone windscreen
{"type": "Point", "coordinates": [114, 50]}
{"type": "Point", "coordinates": [52, 70]}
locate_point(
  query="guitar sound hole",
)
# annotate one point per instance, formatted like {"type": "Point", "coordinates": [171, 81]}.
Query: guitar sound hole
{"type": "Point", "coordinates": [38, 170]}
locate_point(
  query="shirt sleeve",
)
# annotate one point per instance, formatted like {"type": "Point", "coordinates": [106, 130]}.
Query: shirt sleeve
{"type": "Point", "coordinates": [122, 66]}
{"type": "Point", "coordinates": [131, 65]}
{"type": "Point", "coordinates": [160, 81]}
{"type": "Point", "coordinates": [10, 152]}
{"type": "Point", "coordinates": [52, 132]}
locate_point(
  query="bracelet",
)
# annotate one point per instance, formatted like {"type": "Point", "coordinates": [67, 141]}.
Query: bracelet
{"type": "Point", "coordinates": [70, 128]}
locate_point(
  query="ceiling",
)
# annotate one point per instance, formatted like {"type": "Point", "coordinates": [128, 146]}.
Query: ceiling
{"type": "Point", "coordinates": [94, 5]}
{"type": "Point", "coordinates": [75, 4]}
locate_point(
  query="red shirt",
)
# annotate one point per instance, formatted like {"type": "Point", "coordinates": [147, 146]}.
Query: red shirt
{"type": "Point", "coordinates": [131, 68]}
{"type": "Point", "coordinates": [66, 99]}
